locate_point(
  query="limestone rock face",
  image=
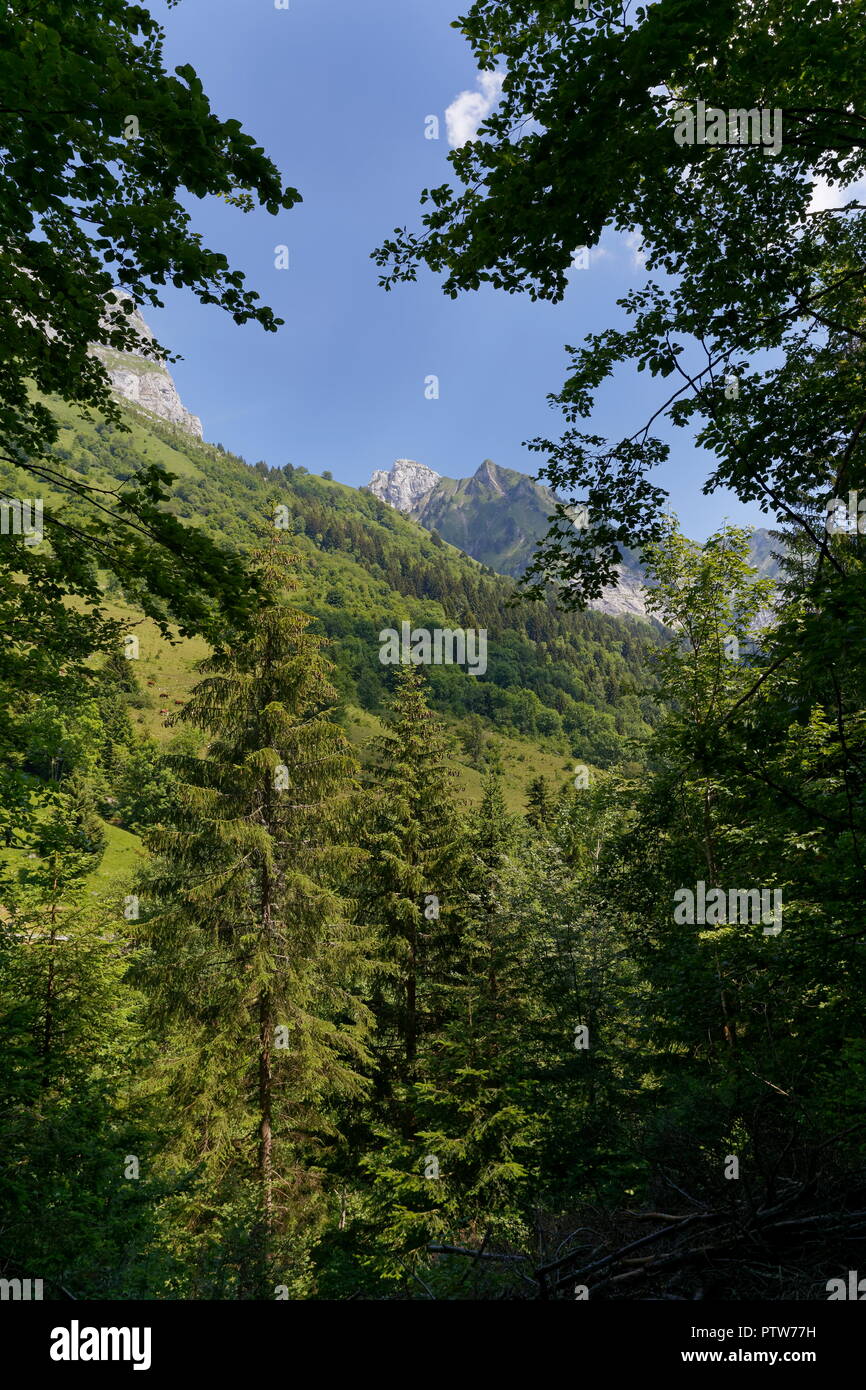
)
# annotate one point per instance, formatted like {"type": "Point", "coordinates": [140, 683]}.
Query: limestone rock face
{"type": "Point", "coordinates": [148, 384]}
{"type": "Point", "coordinates": [405, 484]}
{"type": "Point", "coordinates": [626, 598]}
{"type": "Point", "coordinates": [156, 392]}
{"type": "Point", "coordinates": [497, 516]}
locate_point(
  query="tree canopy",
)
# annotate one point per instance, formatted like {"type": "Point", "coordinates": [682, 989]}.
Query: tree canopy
{"type": "Point", "coordinates": [100, 150]}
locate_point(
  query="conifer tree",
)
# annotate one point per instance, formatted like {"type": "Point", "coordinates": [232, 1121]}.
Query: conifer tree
{"type": "Point", "coordinates": [251, 953]}
{"type": "Point", "coordinates": [475, 1094]}
{"type": "Point", "coordinates": [412, 833]}
{"type": "Point", "coordinates": [412, 836]}
{"type": "Point", "coordinates": [452, 1163]}
{"type": "Point", "coordinates": [68, 1043]}
{"type": "Point", "coordinates": [539, 803]}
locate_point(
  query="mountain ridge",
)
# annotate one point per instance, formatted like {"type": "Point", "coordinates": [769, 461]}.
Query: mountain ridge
{"type": "Point", "coordinates": [498, 515]}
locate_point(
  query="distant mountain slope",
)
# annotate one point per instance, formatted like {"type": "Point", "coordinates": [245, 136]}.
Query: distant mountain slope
{"type": "Point", "coordinates": [498, 516]}
{"type": "Point", "coordinates": [576, 682]}
{"type": "Point", "coordinates": [764, 551]}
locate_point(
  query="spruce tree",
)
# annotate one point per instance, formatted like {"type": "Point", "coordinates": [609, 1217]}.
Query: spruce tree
{"type": "Point", "coordinates": [475, 1095]}
{"type": "Point", "coordinates": [412, 833]}
{"type": "Point", "coordinates": [412, 837]}
{"type": "Point", "coordinates": [539, 804]}
{"type": "Point", "coordinates": [252, 957]}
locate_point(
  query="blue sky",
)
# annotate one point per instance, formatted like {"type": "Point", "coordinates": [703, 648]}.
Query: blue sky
{"type": "Point", "coordinates": [338, 92]}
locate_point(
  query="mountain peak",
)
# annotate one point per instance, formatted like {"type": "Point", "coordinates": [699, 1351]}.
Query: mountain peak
{"type": "Point", "coordinates": [490, 475]}
{"type": "Point", "coordinates": [404, 485]}
{"type": "Point", "coordinates": [488, 470]}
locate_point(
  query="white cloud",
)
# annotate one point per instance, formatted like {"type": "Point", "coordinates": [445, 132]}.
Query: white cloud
{"type": "Point", "coordinates": [585, 256]}
{"type": "Point", "coordinates": [634, 242]}
{"type": "Point", "coordinates": [825, 196]}
{"type": "Point", "coordinates": [469, 109]}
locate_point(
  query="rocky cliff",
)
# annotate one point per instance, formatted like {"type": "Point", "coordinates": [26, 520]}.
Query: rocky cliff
{"type": "Point", "coordinates": [147, 383]}
{"type": "Point", "coordinates": [405, 485]}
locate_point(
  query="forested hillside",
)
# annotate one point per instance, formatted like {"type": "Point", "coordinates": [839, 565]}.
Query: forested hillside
{"type": "Point", "coordinates": [582, 680]}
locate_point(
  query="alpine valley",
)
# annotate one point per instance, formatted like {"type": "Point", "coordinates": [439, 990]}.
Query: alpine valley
{"type": "Point", "coordinates": [558, 687]}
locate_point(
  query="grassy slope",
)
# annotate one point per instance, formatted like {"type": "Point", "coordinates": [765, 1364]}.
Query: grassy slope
{"type": "Point", "coordinates": [124, 853]}
{"type": "Point", "coordinates": [166, 674]}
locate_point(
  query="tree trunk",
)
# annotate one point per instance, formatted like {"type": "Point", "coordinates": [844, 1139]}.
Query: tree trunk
{"type": "Point", "coordinates": [729, 1026]}
{"type": "Point", "coordinates": [266, 1039]}
{"type": "Point", "coordinates": [48, 1026]}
